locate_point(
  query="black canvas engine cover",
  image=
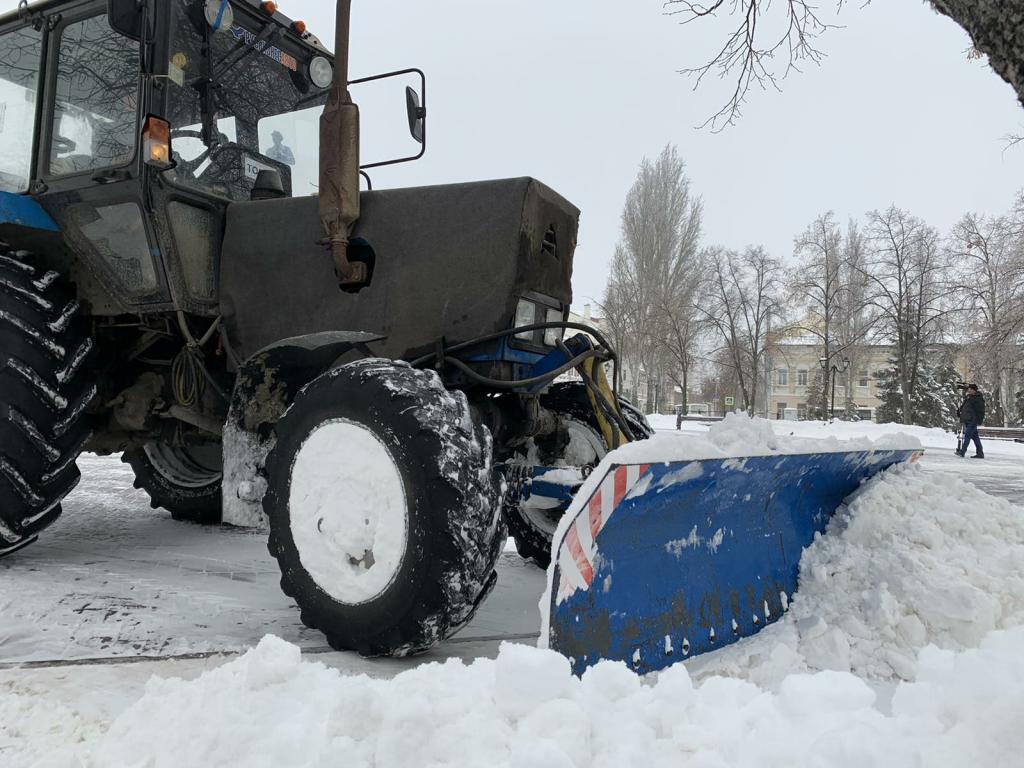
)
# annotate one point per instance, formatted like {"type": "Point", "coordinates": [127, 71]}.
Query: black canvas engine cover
{"type": "Point", "coordinates": [451, 261]}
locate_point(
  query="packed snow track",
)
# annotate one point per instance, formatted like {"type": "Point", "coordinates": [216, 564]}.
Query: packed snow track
{"type": "Point", "coordinates": [116, 580]}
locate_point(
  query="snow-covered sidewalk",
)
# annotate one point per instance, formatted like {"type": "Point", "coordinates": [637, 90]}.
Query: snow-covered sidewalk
{"type": "Point", "coordinates": [921, 557]}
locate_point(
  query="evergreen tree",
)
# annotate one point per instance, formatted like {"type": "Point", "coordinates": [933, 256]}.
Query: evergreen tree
{"type": "Point", "coordinates": [935, 400]}
{"type": "Point", "coordinates": [891, 409]}
{"type": "Point", "coordinates": [947, 377]}
{"type": "Point", "coordinates": [817, 399]}
{"type": "Point", "coordinates": [850, 411]}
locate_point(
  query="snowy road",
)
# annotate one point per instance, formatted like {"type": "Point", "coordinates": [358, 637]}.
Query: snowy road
{"type": "Point", "coordinates": [115, 579]}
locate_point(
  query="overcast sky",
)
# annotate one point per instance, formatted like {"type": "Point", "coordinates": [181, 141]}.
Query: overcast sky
{"type": "Point", "coordinates": [576, 92]}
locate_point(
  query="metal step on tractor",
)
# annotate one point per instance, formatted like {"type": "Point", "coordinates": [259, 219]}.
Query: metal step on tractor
{"type": "Point", "coordinates": [192, 277]}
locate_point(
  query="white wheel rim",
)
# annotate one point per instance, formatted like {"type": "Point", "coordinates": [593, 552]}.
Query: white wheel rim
{"type": "Point", "coordinates": [585, 447]}
{"type": "Point", "coordinates": [348, 511]}
{"type": "Point", "coordinates": [184, 467]}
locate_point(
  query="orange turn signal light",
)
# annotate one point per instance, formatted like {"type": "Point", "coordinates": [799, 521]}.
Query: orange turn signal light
{"type": "Point", "coordinates": [299, 27]}
{"type": "Point", "coordinates": [269, 7]}
{"type": "Point", "coordinates": [156, 143]}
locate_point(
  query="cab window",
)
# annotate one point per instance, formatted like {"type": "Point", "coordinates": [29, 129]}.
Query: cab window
{"type": "Point", "coordinates": [95, 117]}
{"type": "Point", "coordinates": [20, 52]}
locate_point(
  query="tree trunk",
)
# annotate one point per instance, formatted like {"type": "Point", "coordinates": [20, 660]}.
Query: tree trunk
{"type": "Point", "coordinates": [905, 385]}
{"type": "Point", "coordinates": [996, 28]}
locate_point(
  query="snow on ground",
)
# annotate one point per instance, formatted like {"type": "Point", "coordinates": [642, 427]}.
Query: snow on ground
{"type": "Point", "coordinates": [270, 708]}
{"type": "Point", "coordinates": [914, 559]}
{"type": "Point", "coordinates": [919, 557]}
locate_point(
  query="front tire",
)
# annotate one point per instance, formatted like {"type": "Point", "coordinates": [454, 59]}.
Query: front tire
{"type": "Point", "coordinates": [384, 508]}
{"type": "Point", "coordinates": [45, 388]}
{"type": "Point", "coordinates": [185, 481]}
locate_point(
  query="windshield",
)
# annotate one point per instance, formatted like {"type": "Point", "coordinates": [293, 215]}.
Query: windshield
{"type": "Point", "coordinates": [253, 94]}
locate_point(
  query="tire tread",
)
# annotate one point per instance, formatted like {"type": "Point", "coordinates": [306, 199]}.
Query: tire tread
{"type": "Point", "coordinates": [45, 388]}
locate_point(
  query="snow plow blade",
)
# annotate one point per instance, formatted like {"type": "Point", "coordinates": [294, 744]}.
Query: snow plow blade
{"type": "Point", "coordinates": [663, 562]}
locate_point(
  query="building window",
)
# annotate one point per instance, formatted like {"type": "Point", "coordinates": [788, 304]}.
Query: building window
{"type": "Point", "coordinates": [801, 378]}
{"type": "Point", "coordinates": [864, 414]}
{"type": "Point", "coordinates": [862, 380]}
{"type": "Point", "coordinates": [780, 412]}
{"type": "Point", "coordinates": [782, 377]}
{"type": "Point", "coordinates": [801, 411]}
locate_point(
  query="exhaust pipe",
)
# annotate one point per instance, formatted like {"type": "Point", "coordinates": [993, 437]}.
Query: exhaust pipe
{"type": "Point", "coordinates": [339, 162]}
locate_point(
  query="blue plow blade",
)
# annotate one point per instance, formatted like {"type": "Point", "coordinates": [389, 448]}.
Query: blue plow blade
{"type": "Point", "coordinates": [667, 561]}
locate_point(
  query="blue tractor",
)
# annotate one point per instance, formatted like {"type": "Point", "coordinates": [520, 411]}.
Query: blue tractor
{"type": "Point", "coordinates": [191, 276]}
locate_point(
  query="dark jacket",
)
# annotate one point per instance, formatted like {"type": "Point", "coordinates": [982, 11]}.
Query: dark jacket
{"type": "Point", "coordinates": [973, 410]}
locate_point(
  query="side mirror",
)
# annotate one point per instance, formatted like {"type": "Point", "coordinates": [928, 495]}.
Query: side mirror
{"type": "Point", "coordinates": [125, 17]}
{"type": "Point", "coordinates": [417, 114]}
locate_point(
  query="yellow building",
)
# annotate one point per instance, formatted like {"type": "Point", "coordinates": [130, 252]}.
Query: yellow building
{"type": "Point", "coordinates": [794, 362]}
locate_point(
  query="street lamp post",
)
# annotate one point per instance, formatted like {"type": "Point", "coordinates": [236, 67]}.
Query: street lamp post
{"type": "Point", "coordinates": [837, 369]}
{"type": "Point", "coordinates": [834, 369]}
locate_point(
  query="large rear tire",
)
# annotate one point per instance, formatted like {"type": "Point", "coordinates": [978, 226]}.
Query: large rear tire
{"type": "Point", "coordinates": [45, 387]}
{"type": "Point", "coordinates": [531, 521]}
{"type": "Point", "coordinates": [184, 481]}
{"type": "Point", "coordinates": [384, 508]}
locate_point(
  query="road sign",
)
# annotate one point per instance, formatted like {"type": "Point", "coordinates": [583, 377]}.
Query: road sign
{"type": "Point", "coordinates": [730, 401]}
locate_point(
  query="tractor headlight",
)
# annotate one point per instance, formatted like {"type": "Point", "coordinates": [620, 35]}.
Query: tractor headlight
{"type": "Point", "coordinates": [526, 314]}
{"type": "Point", "coordinates": [552, 336]}
{"type": "Point", "coordinates": [321, 72]}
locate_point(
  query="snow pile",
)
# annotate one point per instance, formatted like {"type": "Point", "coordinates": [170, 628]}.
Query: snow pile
{"type": "Point", "coordinates": [929, 437]}
{"type": "Point", "coordinates": [913, 559]}
{"type": "Point", "coordinates": [740, 435]}
{"type": "Point", "coordinates": [269, 708]}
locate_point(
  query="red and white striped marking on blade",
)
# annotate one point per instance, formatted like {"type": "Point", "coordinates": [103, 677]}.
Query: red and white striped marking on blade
{"type": "Point", "coordinates": [578, 550]}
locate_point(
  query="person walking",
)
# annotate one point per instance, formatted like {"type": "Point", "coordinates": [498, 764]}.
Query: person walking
{"type": "Point", "coordinates": [972, 416]}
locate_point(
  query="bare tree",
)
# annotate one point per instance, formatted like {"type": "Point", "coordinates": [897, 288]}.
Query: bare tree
{"type": "Point", "coordinates": [762, 49]}
{"type": "Point", "coordinates": [768, 41]}
{"type": "Point", "coordinates": [817, 289]}
{"type": "Point", "coordinates": [990, 277]}
{"type": "Point", "coordinates": [742, 302]}
{"type": "Point", "coordinates": [829, 291]}
{"type": "Point", "coordinates": [857, 317]}
{"type": "Point", "coordinates": [618, 317]}
{"type": "Point", "coordinates": [907, 271]}
{"type": "Point", "coordinates": [681, 325]}
{"type": "Point", "coordinates": [650, 288]}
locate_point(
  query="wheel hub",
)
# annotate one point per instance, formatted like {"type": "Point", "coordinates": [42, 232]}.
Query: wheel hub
{"type": "Point", "coordinates": [188, 467]}
{"type": "Point", "coordinates": [348, 511]}
{"type": "Point", "coordinates": [583, 452]}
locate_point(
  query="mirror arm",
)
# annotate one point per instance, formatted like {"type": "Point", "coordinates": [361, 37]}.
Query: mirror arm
{"type": "Point", "coordinates": [422, 112]}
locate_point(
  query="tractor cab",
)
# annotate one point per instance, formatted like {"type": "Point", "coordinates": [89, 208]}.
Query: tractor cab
{"type": "Point", "coordinates": [134, 125]}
